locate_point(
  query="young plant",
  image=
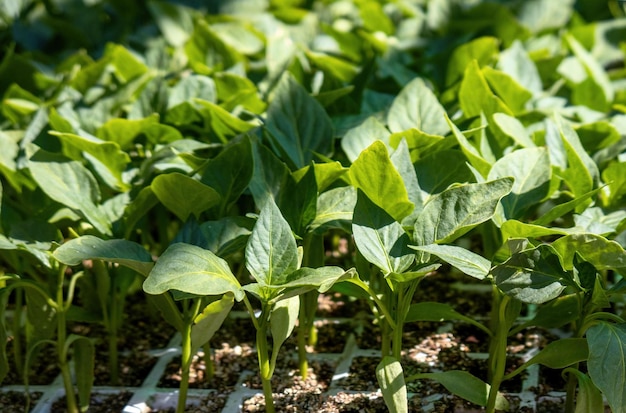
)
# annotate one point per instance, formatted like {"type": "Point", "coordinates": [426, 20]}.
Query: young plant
{"type": "Point", "coordinates": [47, 314]}
{"type": "Point", "coordinates": [273, 259]}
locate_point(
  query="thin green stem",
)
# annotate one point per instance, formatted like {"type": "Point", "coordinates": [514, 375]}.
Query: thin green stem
{"type": "Point", "coordinates": [70, 395]}
{"type": "Point", "coordinates": [499, 361]}
{"type": "Point", "coordinates": [381, 306]}
{"type": "Point", "coordinates": [264, 359]}
{"type": "Point", "coordinates": [208, 361]}
{"type": "Point", "coordinates": [17, 331]}
{"type": "Point", "coordinates": [191, 310]}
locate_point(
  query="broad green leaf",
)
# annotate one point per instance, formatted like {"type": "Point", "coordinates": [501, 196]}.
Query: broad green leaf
{"type": "Point", "coordinates": [193, 270]}
{"type": "Point", "coordinates": [532, 276]}
{"type": "Point", "coordinates": [506, 88]}
{"type": "Point", "coordinates": [596, 90]}
{"type": "Point", "coordinates": [472, 154]}
{"type": "Point", "coordinates": [391, 381]}
{"type": "Point", "coordinates": [416, 106]}
{"type": "Point", "coordinates": [588, 398]}
{"type": "Point", "coordinates": [271, 253]}
{"type": "Point", "coordinates": [380, 238]}
{"type": "Point", "coordinates": [615, 177]}
{"type": "Point", "coordinates": [375, 175]}
{"type": "Point", "coordinates": [453, 212]}
{"type": "Point", "coordinates": [84, 362]}
{"type": "Point", "coordinates": [532, 173]}
{"type": "Point", "coordinates": [516, 63]}
{"type": "Point", "coordinates": [174, 21]}
{"type": "Point", "coordinates": [467, 386]}
{"type": "Point", "coordinates": [334, 209]}
{"type": "Point", "coordinates": [401, 159]}
{"type": "Point", "coordinates": [282, 321]}
{"type": "Point", "coordinates": [514, 129]}
{"type": "Point", "coordinates": [434, 179]}
{"type": "Point", "coordinates": [322, 279]}
{"type": "Point", "coordinates": [234, 90]}
{"type": "Point", "coordinates": [557, 312]}
{"type": "Point", "coordinates": [120, 131]}
{"type": "Point", "coordinates": [270, 174]}
{"type": "Point", "coordinates": [562, 209]}
{"type": "Point", "coordinates": [512, 228]}
{"type": "Point", "coordinates": [460, 258]}
{"type": "Point", "coordinates": [607, 362]}
{"type": "Point", "coordinates": [420, 143]}
{"type": "Point", "coordinates": [42, 317]}
{"type": "Point", "coordinates": [184, 195]}
{"type": "Point", "coordinates": [560, 354]}
{"type": "Point", "coordinates": [582, 173]}
{"type": "Point", "coordinates": [298, 126]}
{"type": "Point", "coordinates": [362, 136]}
{"type": "Point", "coordinates": [229, 173]}
{"type": "Point", "coordinates": [543, 15]}
{"type": "Point", "coordinates": [119, 251]}
{"type": "Point", "coordinates": [333, 66]}
{"type": "Point", "coordinates": [595, 249]}
{"type": "Point", "coordinates": [221, 122]}
{"type": "Point", "coordinates": [414, 274]}
{"type": "Point", "coordinates": [226, 236]}
{"type": "Point", "coordinates": [484, 50]}
{"type": "Point", "coordinates": [209, 321]}
{"type": "Point", "coordinates": [475, 95]}
{"type": "Point", "coordinates": [207, 52]}
{"type": "Point", "coordinates": [71, 184]}
{"type": "Point", "coordinates": [297, 201]}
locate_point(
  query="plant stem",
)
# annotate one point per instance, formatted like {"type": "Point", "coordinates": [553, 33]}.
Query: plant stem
{"type": "Point", "coordinates": [17, 331]}
{"type": "Point", "coordinates": [70, 395]}
{"type": "Point", "coordinates": [190, 313]}
{"type": "Point", "coordinates": [208, 361]}
{"type": "Point", "coordinates": [498, 363]}
{"type": "Point", "coordinates": [264, 360]}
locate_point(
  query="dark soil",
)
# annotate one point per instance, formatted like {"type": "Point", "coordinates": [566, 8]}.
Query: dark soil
{"type": "Point", "coordinates": [15, 401]}
{"type": "Point", "coordinates": [99, 403]}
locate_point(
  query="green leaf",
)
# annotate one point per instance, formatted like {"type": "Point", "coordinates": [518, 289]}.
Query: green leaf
{"type": "Point", "coordinates": [321, 279]}
{"type": "Point", "coordinates": [472, 154]}
{"type": "Point", "coordinates": [595, 249]}
{"type": "Point", "coordinates": [391, 381]}
{"type": "Point", "coordinates": [375, 175]}
{"type": "Point", "coordinates": [379, 238]}
{"type": "Point", "coordinates": [557, 312]}
{"type": "Point", "coordinates": [119, 251]}
{"type": "Point", "coordinates": [516, 229]}
{"type": "Point", "coordinates": [193, 270]}
{"type": "Point", "coordinates": [460, 258]}
{"type": "Point", "coordinates": [467, 386]}
{"type": "Point", "coordinates": [84, 363]}
{"type": "Point", "coordinates": [115, 131]}
{"type": "Point", "coordinates": [209, 321]}
{"type": "Point", "coordinates": [514, 96]}
{"type": "Point", "coordinates": [174, 21]}
{"type": "Point", "coordinates": [229, 173]}
{"type": "Point", "coordinates": [596, 90]}
{"type": "Point", "coordinates": [420, 143]}
{"type": "Point", "coordinates": [271, 253]}
{"type": "Point", "coordinates": [42, 317]}
{"type": "Point", "coordinates": [334, 209]}
{"type": "Point", "coordinates": [416, 106]}
{"type": "Point", "coordinates": [559, 210]}
{"type": "Point", "coordinates": [270, 174]}
{"type": "Point", "coordinates": [455, 211]}
{"type": "Point", "coordinates": [514, 129]}
{"type": "Point", "coordinates": [433, 179]}
{"type": "Point", "coordinates": [582, 172]}
{"type": "Point", "coordinates": [516, 63]}
{"type": "Point", "coordinates": [532, 173]}
{"type": "Point", "coordinates": [282, 321]}
{"type": "Point", "coordinates": [615, 176]}
{"type": "Point", "coordinates": [401, 159]}
{"type": "Point", "coordinates": [221, 122]}
{"type": "Point", "coordinates": [484, 50]}
{"type": "Point", "coordinates": [589, 398]}
{"type": "Point", "coordinates": [357, 139]}
{"type": "Point", "coordinates": [184, 195]}
{"type": "Point", "coordinates": [207, 52]}
{"type": "Point", "coordinates": [560, 354]}
{"type": "Point", "coordinates": [226, 236]}
{"type": "Point", "coordinates": [71, 184]}
{"type": "Point", "coordinates": [533, 275]}
{"type": "Point", "coordinates": [297, 200]}
{"type": "Point", "coordinates": [475, 95]}
{"type": "Point", "coordinates": [298, 126]}
{"type": "Point", "coordinates": [607, 362]}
